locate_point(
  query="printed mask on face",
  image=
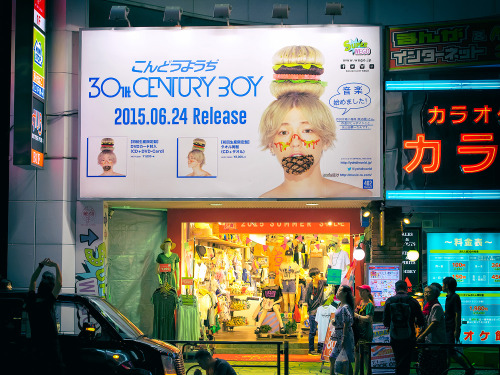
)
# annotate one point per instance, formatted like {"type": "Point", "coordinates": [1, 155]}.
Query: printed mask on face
{"type": "Point", "coordinates": [297, 164]}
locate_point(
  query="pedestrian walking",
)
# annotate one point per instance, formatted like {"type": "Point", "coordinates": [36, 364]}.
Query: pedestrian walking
{"type": "Point", "coordinates": [401, 313]}
{"type": "Point", "coordinates": [433, 360]}
{"type": "Point", "coordinates": [453, 322]}
{"type": "Point", "coordinates": [343, 334]}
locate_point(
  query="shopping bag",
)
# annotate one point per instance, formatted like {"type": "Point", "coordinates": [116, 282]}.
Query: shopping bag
{"type": "Point", "coordinates": [342, 364]}
{"type": "Point", "coordinates": [296, 314]}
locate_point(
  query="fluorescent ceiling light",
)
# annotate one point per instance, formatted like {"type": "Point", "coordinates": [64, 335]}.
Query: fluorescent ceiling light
{"type": "Point", "coordinates": [493, 84]}
{"type": "Point", "coordinates": [441, 194]}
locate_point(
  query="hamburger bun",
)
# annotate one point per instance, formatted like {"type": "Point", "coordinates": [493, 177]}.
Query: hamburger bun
{"type": "Point", "coordinates": [298, 69]}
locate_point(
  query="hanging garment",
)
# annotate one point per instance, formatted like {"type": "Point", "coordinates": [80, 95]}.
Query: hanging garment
{"type": "Point", "coordinates": [188, 319]}
{"type": "Point", "coordinates": [323, 319]}
{"type": "Point", "coordinates": [204, 304]}
{"type": "Point", "coordinates": [165, 303]}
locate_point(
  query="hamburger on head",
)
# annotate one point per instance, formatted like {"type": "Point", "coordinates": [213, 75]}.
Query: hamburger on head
{"type": "Point", "coordinates": [107, 144]}
{"type": "Point", "coordinates": [298, 69]}
{"type": "Point", "coordinates": [199, 144]}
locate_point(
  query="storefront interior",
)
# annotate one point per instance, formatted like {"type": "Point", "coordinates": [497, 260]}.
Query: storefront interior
{"type": "Point", "coordinates": [223, 268]}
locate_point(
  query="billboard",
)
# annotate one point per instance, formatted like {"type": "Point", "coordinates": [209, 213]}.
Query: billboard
{"type": "Point", "coordinates": [443, 45]}
{"type": "Point", "coordinates": [240, 112]}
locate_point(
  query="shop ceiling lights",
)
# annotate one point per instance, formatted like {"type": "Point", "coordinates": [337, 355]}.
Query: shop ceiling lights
{"type": "Point", "coordinates": [412, 255]}
{"type": "Point", "coordinates": [312, 204]}
{"type": "Point", "coordinates": [215, 204]}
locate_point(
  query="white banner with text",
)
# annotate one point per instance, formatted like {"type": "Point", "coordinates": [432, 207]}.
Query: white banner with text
{"type": "Point", "coordinates": [239, 112]}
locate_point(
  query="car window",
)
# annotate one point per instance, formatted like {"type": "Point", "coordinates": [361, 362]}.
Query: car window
{"type": "Point", "coordinates": [75, 319]}
{"type": "Point", "coordinates": [125, 328]}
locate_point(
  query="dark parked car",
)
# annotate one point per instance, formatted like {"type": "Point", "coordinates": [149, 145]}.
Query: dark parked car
{"type": "Point", "coordinates": [95, 339]}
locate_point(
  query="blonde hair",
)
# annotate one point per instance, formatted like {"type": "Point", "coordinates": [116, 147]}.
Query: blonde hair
{"type": "Point", "coordinates": [314, 110]}
{"type": "Point", "coordinates": [104, 153]}
{"type": "Point", "coordinates": [197, 155]}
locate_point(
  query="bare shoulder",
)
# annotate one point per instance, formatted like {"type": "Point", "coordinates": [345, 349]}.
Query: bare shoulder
{"type": "Point", "coordinates": [277, 192]}
{"type": "Point", "coordinates": [339, 189]}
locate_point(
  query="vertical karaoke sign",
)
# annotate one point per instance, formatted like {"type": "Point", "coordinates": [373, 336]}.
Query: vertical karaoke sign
{"type": "Point", "coordinates": [30, 94]}
{"type": "Point", "coordinates": [38, 88]}
{"type": "Point", "coordinates": [411, 241]}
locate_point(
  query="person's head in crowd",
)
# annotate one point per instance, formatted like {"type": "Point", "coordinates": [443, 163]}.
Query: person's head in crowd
{"type": "Point", "coordinates": [437, 285]}
{"type": "Point", "coordinates": [314, 273]}
{"type": "Point", "coordinates": [431, 293]}
{"type": "Point", "coordinates": [365, 291]}
{"type": "Point", "coordinates": [401, 286]}
{"type": "Point", "coordinates": [47, 284]}
{"type": "Point", "coordinates": [204, 359]}
{"type": "Point", "coordinates": [5, 285]}
{"type": "Point", "coordinates": [449, 284]}
{"type": "Point", "coordinates": [344, 294]}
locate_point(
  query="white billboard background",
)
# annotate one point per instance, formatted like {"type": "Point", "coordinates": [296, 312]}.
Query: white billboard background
{"type": "Point", "coordinates": [125, 74]}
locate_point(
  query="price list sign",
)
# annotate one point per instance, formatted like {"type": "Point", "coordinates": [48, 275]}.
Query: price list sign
{"type": "Point", "coordinates": [473, 259]}
{"type": "Point", "coordinates": [481, 314]}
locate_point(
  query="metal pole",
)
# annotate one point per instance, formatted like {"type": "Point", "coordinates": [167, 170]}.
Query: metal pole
{"type": "Point", "coordinates": [278, 360]}
{"type": "Point", "coordinates": [286, 358]}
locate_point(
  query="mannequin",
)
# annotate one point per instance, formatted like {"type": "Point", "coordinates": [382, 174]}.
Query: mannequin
{"type": "Point", "coordinates": [289, 281]}
{"type": "Point", "coordinates": [338, 259]}
{"type": "Point", "coordinates": [271, 299]}
{"type": "Point", "coordinates": [168, 265]}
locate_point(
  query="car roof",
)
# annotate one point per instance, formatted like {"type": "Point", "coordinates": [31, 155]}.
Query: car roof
{"type": "Point", "coordinates": [63, 296]}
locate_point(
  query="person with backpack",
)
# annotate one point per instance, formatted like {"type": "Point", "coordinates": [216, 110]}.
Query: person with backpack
{"type": "Point", "coordinates": [401, 313]}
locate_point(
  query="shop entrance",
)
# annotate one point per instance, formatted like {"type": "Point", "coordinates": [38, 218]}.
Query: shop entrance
{"type": "Point", "coordinates": [134, 240]}
{"type": "Point", "coordinates": [226, 266]}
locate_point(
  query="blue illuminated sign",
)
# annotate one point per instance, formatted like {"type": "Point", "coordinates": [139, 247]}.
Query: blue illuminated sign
{"type": "Point", "coordinates": [441, 194]}
{"type": "Point", "coordinates": [442, 85]}
{"type": "Point", "coordinates": [473, 259]}
{"type": "Point", "coordinates": [480, 317]}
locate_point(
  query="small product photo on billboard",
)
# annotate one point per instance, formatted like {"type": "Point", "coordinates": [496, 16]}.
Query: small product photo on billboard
{"type": "Point", "coordinates": [107, 157]}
